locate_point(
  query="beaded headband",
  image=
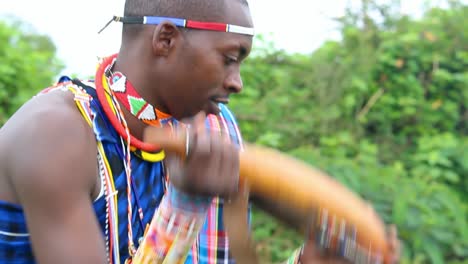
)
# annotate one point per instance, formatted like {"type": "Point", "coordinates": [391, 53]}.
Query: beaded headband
{"type": "Point", "coordinates": [184, 23]}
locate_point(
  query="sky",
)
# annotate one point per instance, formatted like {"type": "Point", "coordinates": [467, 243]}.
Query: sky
{"type": "Point", "coordinates": [294, 25]}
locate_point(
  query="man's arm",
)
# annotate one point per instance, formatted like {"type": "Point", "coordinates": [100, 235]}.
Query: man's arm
{"type": "Point", "coordinates": [310, 253]}
{"type": "Point", "coordinates": [53, 170]}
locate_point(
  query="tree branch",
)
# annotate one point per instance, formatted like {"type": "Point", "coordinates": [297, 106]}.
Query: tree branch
{"type": "Point", "coordinates": [370, 103]}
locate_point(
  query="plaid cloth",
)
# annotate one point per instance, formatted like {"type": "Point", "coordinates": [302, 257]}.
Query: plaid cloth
{"type": "Point", "coordinates": [14, 238]}
{"type": "Point", "coordinates": [209, 245]}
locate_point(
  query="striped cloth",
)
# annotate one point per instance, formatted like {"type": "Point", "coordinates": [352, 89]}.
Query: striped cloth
{"type": "Point", "coordinates": [15, 246]}
{"type": "Point", "coordinates": [192, 228]}
{"type": "Point", "coordinates": [211, 245]}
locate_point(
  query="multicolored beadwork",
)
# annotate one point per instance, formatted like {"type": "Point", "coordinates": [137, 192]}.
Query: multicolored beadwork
{"type": "Point", "coordinates": [184, 23]}
{"type": "Point", "coordinates": [127, 95]}
{"type": "Point", "coordinates": [109, 103]}
{"type": "Point", "coordinates": [334, 236]}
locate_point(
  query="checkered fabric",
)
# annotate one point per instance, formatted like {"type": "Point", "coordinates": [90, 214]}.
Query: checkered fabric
{"type": "Point", "coordinates": [210, 245]}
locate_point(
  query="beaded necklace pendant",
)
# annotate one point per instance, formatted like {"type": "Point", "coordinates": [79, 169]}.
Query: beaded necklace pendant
{"type": "Point", "coordinates": [111, 106]}
{"type": "Point", "coordinates": [128, 96]}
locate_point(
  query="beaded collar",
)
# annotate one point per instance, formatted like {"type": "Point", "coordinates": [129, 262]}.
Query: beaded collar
{"type": "Point", "coordinates": [108, 99]}
{"type": "Point", "coordinates": [127, 95]}
{"type": "Point", "coordinates": [130, 99]}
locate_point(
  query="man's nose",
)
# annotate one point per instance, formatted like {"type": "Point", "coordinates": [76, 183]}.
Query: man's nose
{"type": "Point", "coordinates": [233, 82]}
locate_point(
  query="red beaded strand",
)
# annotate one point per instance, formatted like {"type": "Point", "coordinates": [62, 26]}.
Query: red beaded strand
{"type": "Point", "coordinates": [101, 91]}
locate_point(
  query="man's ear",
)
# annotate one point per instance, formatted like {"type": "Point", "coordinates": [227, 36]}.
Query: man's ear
{"type": "Point", "coordinates": [165, 37]}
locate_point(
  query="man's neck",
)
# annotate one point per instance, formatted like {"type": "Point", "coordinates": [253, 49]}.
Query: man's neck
{"type": "Point", "coordinates": [145, 89]}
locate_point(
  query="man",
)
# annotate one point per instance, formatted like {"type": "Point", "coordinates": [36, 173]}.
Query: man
{"type": "Point", "coordinates": [61, 204]}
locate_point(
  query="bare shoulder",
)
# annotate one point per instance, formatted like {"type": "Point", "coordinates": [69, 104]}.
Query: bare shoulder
{"type": "Point", "coordinates": [48, 143]}
{"type": "Point", "coordinates": [52, 167]}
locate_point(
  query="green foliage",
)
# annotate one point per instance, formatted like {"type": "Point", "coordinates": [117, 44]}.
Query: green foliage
{"type": "Point", "coordinates": [27, 63]}
{"type": "Point", "coordinates": [429, 214]}
{"type": "Point", "coordinates": [385, 111]}
{"type": "Point", "coordinates": [274, 241]}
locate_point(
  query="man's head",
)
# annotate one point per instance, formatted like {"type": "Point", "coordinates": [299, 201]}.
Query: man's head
{"type": "Point", "coordinates": [201, 10]}
{"type": "Point", "coordinates": [180, 70]}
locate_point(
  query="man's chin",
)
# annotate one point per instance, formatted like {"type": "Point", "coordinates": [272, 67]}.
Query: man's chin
{"type": "Point", "coordinates": [188, 115]}
{"type": "Point", "coordinates": [213, 108]}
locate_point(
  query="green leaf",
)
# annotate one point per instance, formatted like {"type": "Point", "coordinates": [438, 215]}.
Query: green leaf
{"type": "Point", "coordinates": [434, 253]}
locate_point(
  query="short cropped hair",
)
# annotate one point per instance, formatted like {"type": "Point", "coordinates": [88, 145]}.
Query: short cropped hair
{"type": "Point", "coordinates": [201, 10]}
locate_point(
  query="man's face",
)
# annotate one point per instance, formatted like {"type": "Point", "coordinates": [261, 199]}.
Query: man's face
{"type": "Point", "coordinates": [208, 66]}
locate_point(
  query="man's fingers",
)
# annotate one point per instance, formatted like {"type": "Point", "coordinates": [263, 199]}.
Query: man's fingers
{"type": "Point", "coordinates": [212, 160]}
{"type": "Point", "coordinates": [198, 123]}
{"type": "Point", "coordinates": [233, 156]}
{"type": "Point", "coordinates": [216, 158]}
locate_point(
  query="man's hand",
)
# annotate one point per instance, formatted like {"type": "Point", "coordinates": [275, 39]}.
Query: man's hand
{"type": "Point", "coordinates": [212, 165]}
{"type": "Point", "coordinates": [312, 255]}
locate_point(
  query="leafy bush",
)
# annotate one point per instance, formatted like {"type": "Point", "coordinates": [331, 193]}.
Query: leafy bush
{"type": "Point", "coordinates": [384, 110]}
{"type": "Point", "coordinates": [28, 64]}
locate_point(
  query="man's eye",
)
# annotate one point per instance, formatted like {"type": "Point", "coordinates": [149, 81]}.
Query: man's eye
{"type": "Point", "coordinates": [230, 60]}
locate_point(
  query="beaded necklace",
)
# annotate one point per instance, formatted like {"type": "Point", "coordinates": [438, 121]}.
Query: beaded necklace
{"type": "Point", "coordinates": [83, 101]}
{"type": "Point", "coordinates": [107, 99]}
{"type": "Point", "coordinates": [128, 97]}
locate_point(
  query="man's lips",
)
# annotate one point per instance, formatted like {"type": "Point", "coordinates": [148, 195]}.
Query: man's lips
{"type": "Point", "coordinates": [221, 100]}
{"type": "Point", "coordinates": [213, 105]}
